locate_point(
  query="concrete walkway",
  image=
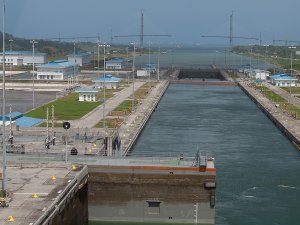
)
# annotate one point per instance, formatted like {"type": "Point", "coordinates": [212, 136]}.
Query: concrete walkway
{"type": "Point", "coordinates": [92, 118]}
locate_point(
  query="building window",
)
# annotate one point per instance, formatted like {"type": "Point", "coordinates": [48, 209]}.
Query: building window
{"type": "Point", "coordinates": [153, 207]}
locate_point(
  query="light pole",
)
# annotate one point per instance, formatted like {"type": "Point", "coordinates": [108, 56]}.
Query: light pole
{"type": "Point", "coordinates": [250, 69]}
{"type": "Point", "coordinates": [74, 55]}
{"type": "Point", "coordinates": [3, 110]}
{"type": "Point", "coordinates": [33, 42]}
{"type": "Point", "coordinates": [291, 73]}
{"type": "Point", "coordinates": [98, 57]}
{"type": "Point", "coordinates": [10, 43]}
{"type": "Point", "coordinates": [133, 71]}
{"type": "Point", "coordinates": [104, 45]}
{"type": "Point", "coordinates": [266, 55]}
{"type": "Point", "coordinates": [158, 58]}
{"type": "Point", "coordinates": [149, 61]}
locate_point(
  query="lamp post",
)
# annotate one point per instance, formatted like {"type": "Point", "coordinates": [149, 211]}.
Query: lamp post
{"type": "Point", "coordinates": [74, 55]}
{"type": "Point", "coordinates": [33, 42]}
{"type": "Point", "coordinates": [266, 54]}
{"type": "Point", "coordinates": [291, 73]}
{"type": "Point", "coordinates": [158, 58]}
{"type": "Point", "coordinates": [104, 45]}
{"type": "Point", "coordinates": [250, 69]}
{"type": "Point", "coordinates": [3, 110]}
{"type": "Point", "coordinates": [10, 44]}
{"type": "Point", "coordinates": [149, 72]}
{"type": "Point", "coordinates": [133, 70]}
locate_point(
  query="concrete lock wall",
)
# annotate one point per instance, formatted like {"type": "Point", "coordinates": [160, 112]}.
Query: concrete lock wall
{"type": "Point", "coordinates": [75, 211]}
{"type": "Point", "coordinates": [150, 196]}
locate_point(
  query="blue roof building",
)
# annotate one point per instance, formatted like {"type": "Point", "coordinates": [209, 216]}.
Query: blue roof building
{"type": "Point", "coordinates": [108, 80]}
{"type": "Point", "coordinates": [114, 64]}
{"type": "Point", "coordinates": [150, 67]}
{"type": "Point", "coordinates": [283, 80]}
{"type": "Point", "coordinates": [56, 70]}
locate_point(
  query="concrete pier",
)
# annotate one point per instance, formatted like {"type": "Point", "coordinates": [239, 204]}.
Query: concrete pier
{"type": "Point", "coordinates": [46, 194]}
{"type": "Point", "coordinates": [134, 124]}
{"type": "Point", "coordinates": [286, 124]}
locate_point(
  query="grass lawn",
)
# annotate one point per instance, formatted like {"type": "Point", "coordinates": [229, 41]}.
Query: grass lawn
{"type": "Point", "coordinates": [108, 93]}
{"type": "Point", "coordinates": [283, 103]}
{"type": "Point", "coordinates": [110, 123]}
{"type": "Point", "coordinates": [142, 92]}
{"type": "Point", "coordinates": [294, 90]}
{"type": "Point", "coordinates": [66, 108]}
{"type": "Point", "coordinates": [1, 194]}
{"type": "Point", "coordinates": [126, 105]}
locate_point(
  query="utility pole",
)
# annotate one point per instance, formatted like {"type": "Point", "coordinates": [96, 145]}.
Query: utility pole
{"type": "Point", "coordinates": [142, 30]}
{"type": "Point", "coordinates": [231, 30]}
{"type": "Point", "coordinates": [111, 37]}
{"type": "Point", "coordinates": [10, 43]}
{"type": "Point", "coordinates": [291, 47]}
{"type": "Point", "coordinates": [104, 45]}
{"type": "Point", "coordinates": [33, 42]}
{"type": "Point", "coordinates": [133, 71]}
{"type": "Point", "coordinates": [3, 110]}
{"type": "Point", "coordinates": [74, 54]}
{"type": "Point", "coordinates": [158, 56]}
{"type": "Point", "coordinates": [53, 135]}
{"type": "Point", "coordinates": [149, 72]}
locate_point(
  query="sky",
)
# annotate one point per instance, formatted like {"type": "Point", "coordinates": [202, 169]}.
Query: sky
{"type": "Point", "coordinates": [185, 20]}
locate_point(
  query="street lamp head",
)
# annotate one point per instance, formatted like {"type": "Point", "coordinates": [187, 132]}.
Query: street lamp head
{"type": "Point", "coordinates": [292, 47]}
{"type": "Point", "coordinates": [33, 42]}
{"type": "Point", "coordinates": [103, 45]}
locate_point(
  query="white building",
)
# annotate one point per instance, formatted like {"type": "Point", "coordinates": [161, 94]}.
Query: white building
{"type": "Point", "coordinates": [87, 95]}
{"type": "Point", "coordinates": [114, 64]}
{"type": "Point", "coordinates": [56, 70]}
{"type": "Point", "coordinates": [109, 81]}
{"type": "Point", "coordinates": [81, 58]}
{"type": "Point", "coordinates": [23, 58]}
{"type": "Point", "coordinates": [259, 74]}
{"type": "Point", "coordinates": [142, 73]}
{"type": "Point", "coordinates": [283, 80]}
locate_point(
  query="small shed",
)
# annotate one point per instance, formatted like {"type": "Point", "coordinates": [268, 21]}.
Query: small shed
{"type": "Point", "coordinates": [150, 67]}
{"type": "Point", "coordinates": [142, 73]}
{"type": "Point", "coordinates": [108, 81]}
{"type": "Point", "coordinates": [87, 94]}
{"type": "Point", "coordinates": [114, 64]}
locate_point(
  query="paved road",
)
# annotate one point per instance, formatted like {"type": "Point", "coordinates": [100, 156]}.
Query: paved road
{"type": "Point", "coordinates": [286, 95]}
{"type": "Point", "coordinates": [92, 118]}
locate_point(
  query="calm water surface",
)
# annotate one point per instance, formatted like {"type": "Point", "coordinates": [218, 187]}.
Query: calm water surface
{"type": "Point", "coordinates": [258, 168]}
